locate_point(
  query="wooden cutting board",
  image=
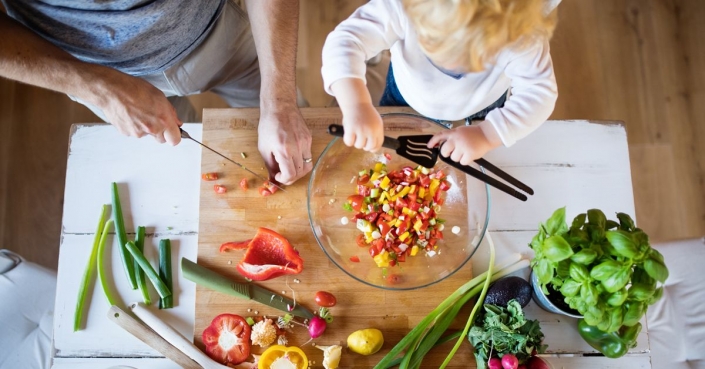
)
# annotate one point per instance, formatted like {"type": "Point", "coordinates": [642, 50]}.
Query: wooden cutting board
{"type": "Point", "coordinates": [236, 215]}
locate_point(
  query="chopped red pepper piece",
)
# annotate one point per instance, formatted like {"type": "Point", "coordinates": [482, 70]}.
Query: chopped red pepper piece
{"type": "Point", "coordinates": [269, 255]}
{"type": "Point", "coordinates": [355, 259]}
{"type": "Point", "coordinates": [243, 184]}
{"type": "Point", "coordinates": [219, 189]}
{"type": "Point", "coordinates": [234, 245]}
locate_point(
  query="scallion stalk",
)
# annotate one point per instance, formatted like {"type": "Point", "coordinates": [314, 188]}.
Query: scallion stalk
{"type": "Point", "coordinates": [161, 288]}
{"type": "Point", "coordinates": [89, 271]}
{"type": "Point", "coordinates": [139, 274]}
{"type": "Point", "coordinates": [122, 237]}
{"type": "Point", "coordinates": [102, 275]}
{"type": "Point", "coordinates": [165, 272]}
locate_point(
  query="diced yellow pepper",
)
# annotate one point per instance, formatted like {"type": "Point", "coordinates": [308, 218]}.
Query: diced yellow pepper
{"type": "Point", "coordinates": [404, 236]}
{"type": "Point", "coordinates": [404, 192]}
{"type": "Point", "coordinates": [414, 250]}
{"type": "Point", "coordinates": [417, 225]}
{"type": "Point", "coordinates": [398, 223]}
{"type": "Point", "coordinates": [368, 237]}
{"type": "Point", "coordinates": [433, 187]}
{"type": "Point", "coordinates": [379, 167]}
{"type": "Point", "coordinates": [375, 176]}
{"type": "Point", "coordinates": [382, 259]}
{"type": "Point", "coordinates": [382, 197]}
{"type": "Point", "coordinates": [385, 182]}
{"type": "Point", "coordinates": [392, 222]}
{"type": "Point", "coordinates": [422, 192]}
{"type": "Point", "coordinates": [412, 189]}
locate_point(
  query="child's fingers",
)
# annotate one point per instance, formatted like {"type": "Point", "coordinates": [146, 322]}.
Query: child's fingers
{"type": "Point", "coordinates": [436, 139]}
{"type": "Point", "coordinates": [447, 148]}
{"type": "Point", "coordinates": [373, 144]}
{"type": "Point", "coordinates": [456, 155]}
{"type": "Point", "coordinates": [349, 138]}
{"type": "Point", "coordinates": [360, 142]}
{"type": "Point", "coordinates": [466, 159]}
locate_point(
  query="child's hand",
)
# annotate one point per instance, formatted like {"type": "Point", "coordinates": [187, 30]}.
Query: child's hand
{"type": "Point", "coordinates": [363, 128]}
{"type": "Point", "coordinates": [462, 144]}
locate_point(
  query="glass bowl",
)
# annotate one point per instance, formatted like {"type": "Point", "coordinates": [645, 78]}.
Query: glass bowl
{"type": "Point", "coordinates": [466, 206]}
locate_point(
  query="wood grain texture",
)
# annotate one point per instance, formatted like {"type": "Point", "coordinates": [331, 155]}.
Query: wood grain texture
{"type": "Point", "coordinates": [237, 214]}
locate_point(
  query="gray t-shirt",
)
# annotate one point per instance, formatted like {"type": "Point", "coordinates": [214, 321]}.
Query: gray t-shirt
{"type": "Point", "coordinates": [137, 37]}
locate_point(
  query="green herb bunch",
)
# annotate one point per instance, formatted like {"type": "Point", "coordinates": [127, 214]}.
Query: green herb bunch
{"type": "Point", "coordinates": [502, 331]}
{"type": "Point", "coordinates": [605, 269]}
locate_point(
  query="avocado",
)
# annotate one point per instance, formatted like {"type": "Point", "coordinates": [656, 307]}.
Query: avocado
{"type": "Point", "coordinates": [505, 289]}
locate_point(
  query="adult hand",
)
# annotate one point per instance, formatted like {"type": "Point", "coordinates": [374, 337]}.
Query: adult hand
{"type": "Point", "coordinates": [136, 108]}
{"type": "Point", "coordinates": [462, 144]}
{"type": "Point", "coordinates": [363, 127]}
{"type": "Point", "coordinates": [285, 143]}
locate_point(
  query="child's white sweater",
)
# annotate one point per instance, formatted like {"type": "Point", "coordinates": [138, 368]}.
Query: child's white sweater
{"type": "Point", "coordinates": [382, 24]}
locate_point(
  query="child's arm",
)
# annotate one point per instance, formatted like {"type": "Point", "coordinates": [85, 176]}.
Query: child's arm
{"type": "Point", "coordinates": [362, 123]}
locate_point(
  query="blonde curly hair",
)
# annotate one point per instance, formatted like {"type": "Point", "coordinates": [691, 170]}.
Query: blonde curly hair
{"type": "Point", "coordinates": [468, 34]}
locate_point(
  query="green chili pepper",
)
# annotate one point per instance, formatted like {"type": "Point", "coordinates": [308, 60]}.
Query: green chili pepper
{"type": "Point", "coordinates": [612, 345]}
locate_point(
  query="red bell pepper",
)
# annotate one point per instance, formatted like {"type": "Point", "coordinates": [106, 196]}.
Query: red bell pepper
{"type": "Point", "coordinates": [269, 255]}
{"type": "Point", "coordinates": [234, 245]}
{"type": "Point", "coordinates": [227, 339]}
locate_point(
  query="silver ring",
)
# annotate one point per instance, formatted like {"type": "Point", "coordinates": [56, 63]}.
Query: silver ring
{"type": "Point", "coordinates": [308, 160]}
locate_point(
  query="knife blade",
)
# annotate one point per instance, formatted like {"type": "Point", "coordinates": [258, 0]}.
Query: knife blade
{"type": "Point", "coordinates": [185, 134]}
{"type": "Point", "coordinates": [245, 290]}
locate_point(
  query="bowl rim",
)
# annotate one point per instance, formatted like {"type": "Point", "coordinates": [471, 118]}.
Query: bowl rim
{"type": "Point", "coordinates": [389, 288]}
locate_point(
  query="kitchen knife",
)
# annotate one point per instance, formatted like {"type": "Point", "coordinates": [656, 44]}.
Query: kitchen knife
{"type": "Point", "coordinates": [185, 134]}
{"type": "Point", "coordinates": [249, 291]}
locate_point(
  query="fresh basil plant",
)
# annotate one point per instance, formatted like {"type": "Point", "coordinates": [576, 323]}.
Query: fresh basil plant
{"type": "Point", "coordinates": [604, 269]}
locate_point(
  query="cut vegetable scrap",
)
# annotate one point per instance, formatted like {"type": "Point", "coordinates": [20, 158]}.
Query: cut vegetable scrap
{"type": "Point", "coordinates": [227, 339]}
{"type": "Point", "coordinates": [331, 355]}
{"type": "Point", "coordinates": [283, 357]}
{"type": "Point", "coordinates": [269, 255]}
{"type": "Point", "coordinates": [264, 333]}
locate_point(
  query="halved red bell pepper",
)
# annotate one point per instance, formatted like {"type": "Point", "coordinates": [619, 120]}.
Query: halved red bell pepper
{"type": "Point", "coordinates": [269, 255]}
{"type": "Point", "coordinates": [227, 339]}
{"type": "Point", "coordinates": [241, 245]}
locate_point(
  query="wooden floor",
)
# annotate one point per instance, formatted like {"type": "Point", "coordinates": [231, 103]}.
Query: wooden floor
{"type": "Point", "coordinates": [638, 61]}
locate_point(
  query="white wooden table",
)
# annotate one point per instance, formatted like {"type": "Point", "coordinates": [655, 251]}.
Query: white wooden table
{"type": "Point", "coordinates": [576, 164]}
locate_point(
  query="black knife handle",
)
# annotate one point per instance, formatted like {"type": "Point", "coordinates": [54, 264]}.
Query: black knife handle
{"type": "Point", "coordinates": [338, 131]}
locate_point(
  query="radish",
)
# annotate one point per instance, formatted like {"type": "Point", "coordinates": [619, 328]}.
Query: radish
{"type": "Point", "coordinates": [316, 327]}
{"type": "Point", "coordinates": [510, 361]}
{"type": "Point", "coordinates": [494, 363]}
{"type": "Point", "coordinates": [522, 366]}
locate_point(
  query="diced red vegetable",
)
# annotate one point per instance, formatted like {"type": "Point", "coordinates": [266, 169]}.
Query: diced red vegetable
{"type": "Point", "coordinates": [211, 176]}
{"type": "Point", "coordinates": [243, 184]}
{"type": "Point", "coordinates": [269, 255]}
{"type": "Point", "coordinates": [355, 259]}
{"type": "Point", "coordinates": [219, 189]}
{"type": "Point", "coordinates": [388, 156]}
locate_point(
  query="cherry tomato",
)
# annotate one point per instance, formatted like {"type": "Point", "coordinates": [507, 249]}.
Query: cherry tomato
{"type": "Point", "coordinates": [384, 228]}
{"type": "Point", "coordinates": [264, 192]}
{"type": "Point", "coordinates": [361, 240]}
{"type": "Point", "coordinates": [325, 299]}
{"type": "Point", "coordinates": [219, 189]}
{"type": "Point", "coordinates": [356, 201]}
{"type": "Point", "coordinates": [388, 156]}
{"type": "Point", "coordinates": [243, 184]}
{"type": "Point", "coordinates": [363, 179]}
{"type": "Point", "coordinates": [271, 187]}
{"type": "Point", "coordinates": [355, 259]}
{"type": "Point", "coordinates": [394, 279]}
{"type": "Point", "coordinates": [211, 176]}
{"type": "Point", "coordinates": [444, 186]}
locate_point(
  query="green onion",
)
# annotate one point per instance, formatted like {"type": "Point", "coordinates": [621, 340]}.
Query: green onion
{"type": "Point", "coordinates": [480, 302]}
{"type": "Point", "coordinates": [102, 275]}
{"type": "Point", "coordinates": [461, 295]}
{"type": "Point", "coordinates": [161, 288]}
{"type": "Point", "coordinates": [89, 272]}
{"type": "Point", "coordinates": [139, 274]}
{"type": "Point", "coordinates": [347, 206]}
{"type": "Point", "coordinates": [165, 272]}
{"type": "Point", "coordinates": [122, 237]}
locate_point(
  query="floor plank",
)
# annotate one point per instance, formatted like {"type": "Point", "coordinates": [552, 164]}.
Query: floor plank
{"type": "Point", "coordinates": [639, 61]}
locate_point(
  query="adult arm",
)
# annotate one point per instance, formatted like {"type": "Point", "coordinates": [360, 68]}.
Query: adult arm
{"type": "Point", "coordinates": [284, 139]}
{"type": "Point", "coordinates": [133, 106]}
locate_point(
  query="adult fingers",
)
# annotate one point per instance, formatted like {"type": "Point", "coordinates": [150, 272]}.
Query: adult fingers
{"type": "Point", "coordinates": [159, 137]}
{"type": "Point", "coordinates": [172, 135]}
{"type": "Point", "coordinates": [287, 170]}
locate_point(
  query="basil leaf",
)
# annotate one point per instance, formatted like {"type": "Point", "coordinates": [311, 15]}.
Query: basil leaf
{"type": "Point", "coordinates": [544, 271]}
{"type": "Point", "coordinates": [625, 222]}
{"type": "Point", "coordinates": [585, 256]}
{"type": "Point", "coordinates": [641, 277]}
{"type": "Point", "coordinates": [591, 319]}
{"type": "Point", "coordinates": [623, 243]}
{"type": "Point", "coordinates": [656, 270]}
{"type": "Point", "coordinates": [611, 224]}
{"type": "Point", "coordinates": [616, 319]}
{"type": "Point", "coordinates": [556, 248]}
{"type": "Point", "coordinates": [617, 298]}
{"type": "Point", "coordinates": [579, 272]}
{"type": "Point", "coordinates": [588, 293]}
{"type": "Point", "coordinates": [640, 292]}
{"type": "Point", "coordinates": [605, 270]}
{"type": "Point", "coordinates": [633, 312]}
{"type": "Point", "coordinates": [563, 268]}
{"type": "Point", "coordinates": [656, 296]}
{"type": "Point", "coordinates": [578, 222]}
{"type": "Point", "coordinates": [597, 218]}
{"type": "Point", "coordinates": [570, 288]}
{"type": "Point", "coordinates": [656, 255]}
{"type": "Point", "coordinates": [596, 233]}
{"type": "Point", "coordinates": [617, 281]}
{"type": "Point", "coordinates": [556, 223]}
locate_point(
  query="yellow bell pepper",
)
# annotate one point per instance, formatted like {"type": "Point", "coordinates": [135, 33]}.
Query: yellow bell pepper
{"type": "Point", "coordinates": [382, 259]}
{"type": "Point", "coordinates": [434, 186]}
{"type": "Point", "coordinates": [404, 236]}
{"type": "Point", "coordinates": [422, 192]}
{"type": "Point", "coordinates": [283, 357]}
{"type": "Point", "coordinates": [384, 183]}
{"type": "Point", "coordinates": [379, 167]}
{"type": "Point", "coordinates": [404, 192]}
{"type": "Point", "coordinates": [418, 225]}
{"type": "Point", "coordinates": [414, 250]}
